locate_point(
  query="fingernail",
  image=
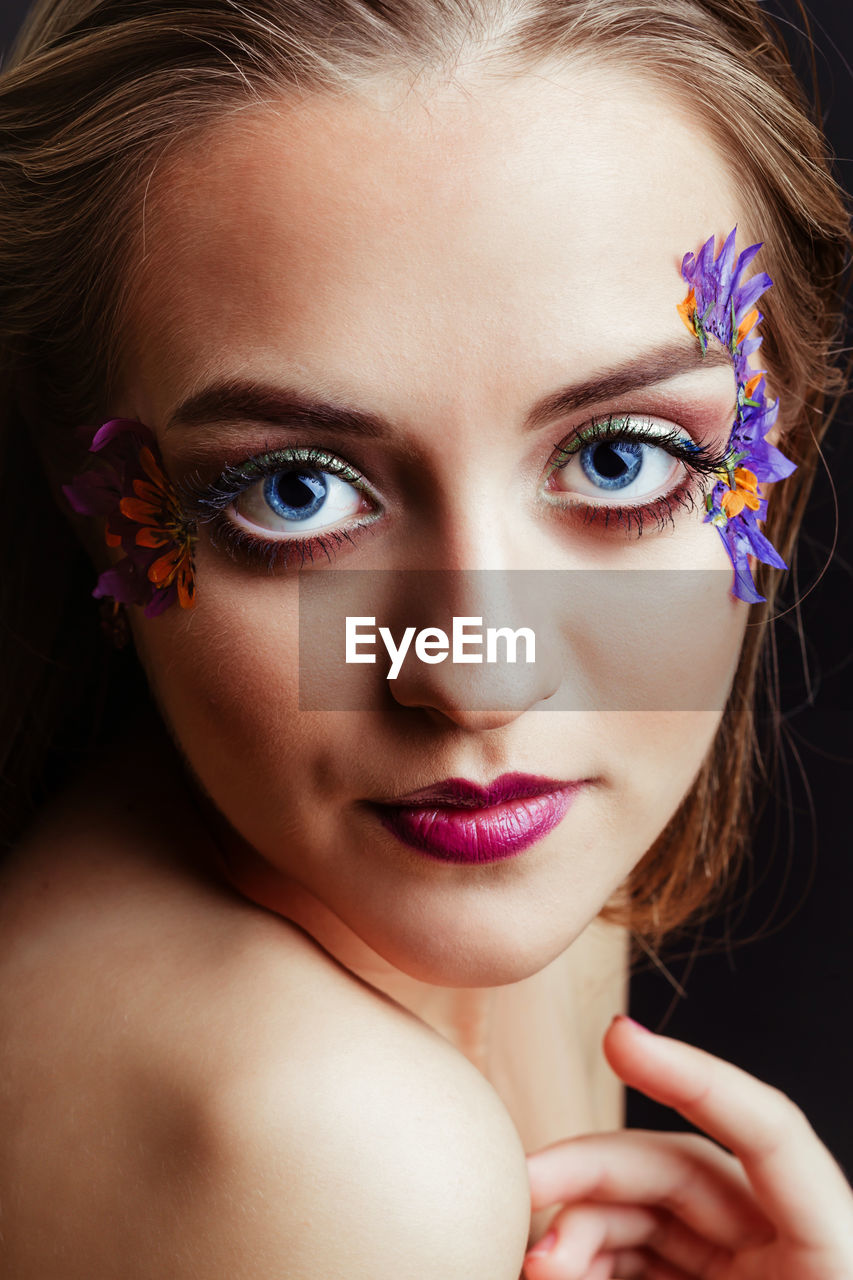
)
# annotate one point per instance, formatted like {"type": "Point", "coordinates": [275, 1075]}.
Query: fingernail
{"type": "Point", "coordinates": [623, 1017]}
{"type": "Point", "coordinates": [543, 1246]}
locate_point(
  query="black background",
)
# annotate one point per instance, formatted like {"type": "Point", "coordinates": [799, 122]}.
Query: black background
{"type": "Point", "coordinates": [778, 1003]}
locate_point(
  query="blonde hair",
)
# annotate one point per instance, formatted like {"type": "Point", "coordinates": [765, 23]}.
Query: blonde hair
{"type": "Point", "coordinates": [93, 93]}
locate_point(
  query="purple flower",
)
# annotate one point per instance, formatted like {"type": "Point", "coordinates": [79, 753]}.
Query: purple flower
{"type": "Point", "coordinates": [721, 305]}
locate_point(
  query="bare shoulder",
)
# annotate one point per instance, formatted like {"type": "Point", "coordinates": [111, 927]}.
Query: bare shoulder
{"type": "Point", "coordinates": [191, 1086]}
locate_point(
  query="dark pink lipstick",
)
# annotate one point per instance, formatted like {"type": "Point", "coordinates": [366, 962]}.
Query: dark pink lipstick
{"type": "Point", "coordinates": [459, 821]}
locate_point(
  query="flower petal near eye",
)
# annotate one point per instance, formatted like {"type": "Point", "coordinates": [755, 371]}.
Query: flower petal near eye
{"type": "Point", "coordinates": [743, 494]}
{"type": "Point", "coordinates": [146, 457]}
{"type": "Point", "coordinates": [163, 571]}
{"type": "Point", "coordinates": [186, 585]}
{"type": "Point", "coordinates": [126, 483]}
{"type": "Point", "coordinates": [111, 539]}
{"type": "Point", "coordinates": [139, 509]}
{"type": "Point", "coordinates": [721, 304]}
{"type": "Point", "coordinates": [687, 311]}
{"type": "Point", "coordinates": [747, 325]}
{"type": "Point", "coordinates": [150, 537]}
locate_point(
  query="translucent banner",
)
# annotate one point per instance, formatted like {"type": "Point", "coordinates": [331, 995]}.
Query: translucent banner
{"type": "Point", "coordinates": [490, 640]}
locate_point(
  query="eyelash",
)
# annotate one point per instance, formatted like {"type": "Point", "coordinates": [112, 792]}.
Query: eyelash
{"type": "Point", "coordinates": [700, 460]}
{"type": "Point", "coordinates": [207, 503]}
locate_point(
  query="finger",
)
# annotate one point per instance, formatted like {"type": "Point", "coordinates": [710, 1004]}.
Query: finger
{"type": "Point", "coordinates": [586, 1231]}
{"type": "Point", "coordinates": [601, 1269]}
{"type": "Point", "coordinates": [633, 1264]}
{"type": "Point", "coordinates": [683, 1173]}
{"type": "Point", "coordinates": [796, 1180]}
{"type": "Point", "coordinates": [581, 1233]}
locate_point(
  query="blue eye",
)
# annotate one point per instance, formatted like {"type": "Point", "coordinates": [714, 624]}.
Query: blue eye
{"type": "Point", "coordinates": [283, 505]}
{"type": "Point", "coordinates": [621, 458]}
{"type": "Point", "coordinates": [296, 495]}
{"type": "Point", "coordinates": [612, 465]}
{"type": "Point", "coordinates": [299, 499]}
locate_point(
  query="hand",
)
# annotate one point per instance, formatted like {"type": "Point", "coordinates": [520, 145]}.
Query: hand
{"type": "Point", "coordinates": [675, 1206]}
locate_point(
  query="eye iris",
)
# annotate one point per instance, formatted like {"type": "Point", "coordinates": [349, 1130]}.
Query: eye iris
{"type": "Point", "coordinates": [296, 495]}
{"type": "Point", "coordinates": [612, 464]}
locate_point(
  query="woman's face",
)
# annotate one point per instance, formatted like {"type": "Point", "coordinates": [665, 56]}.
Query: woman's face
{"type": "Point", "coordinates": [442, 263]}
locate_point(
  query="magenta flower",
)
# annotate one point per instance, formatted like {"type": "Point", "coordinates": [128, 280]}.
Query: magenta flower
{"type": "Point", "coordinates": [128, 488]}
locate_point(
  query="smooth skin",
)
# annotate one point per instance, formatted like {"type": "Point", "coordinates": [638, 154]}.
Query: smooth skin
{"type": "Point", "coordinates": [210, 1084]}
{"type": "Point", "coordinates": [194, 1090]}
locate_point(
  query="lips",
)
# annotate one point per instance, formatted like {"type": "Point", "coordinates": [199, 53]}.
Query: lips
{"type": "Point", "coordinates": [460, 821]}
{"type": "Point", "coordinates": [459, 793]}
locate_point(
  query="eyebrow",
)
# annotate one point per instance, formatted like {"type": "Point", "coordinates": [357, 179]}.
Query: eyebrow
{"type": "Point", "coordinates": [240, 400]}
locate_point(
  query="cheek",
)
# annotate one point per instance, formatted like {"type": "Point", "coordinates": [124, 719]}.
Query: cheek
{"type": "Point", "coordinates": [659, 757]}
{"type": "Point", "coordinates": [661, 682]}
{"type": "Point", "coordinates": [657, 641]}
{"type": "Point", "coordinates": [651, 761]}
{"type": "Point", "coordinates": [226, 679]}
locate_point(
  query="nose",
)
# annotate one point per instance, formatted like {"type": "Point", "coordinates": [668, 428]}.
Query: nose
{"type": "Point", "coordinates": [463, 630]}
{"type": "Point", "coordinates": [488, 652]}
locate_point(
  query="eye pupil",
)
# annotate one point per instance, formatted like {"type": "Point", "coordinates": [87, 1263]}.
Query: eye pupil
{"type": "Point", "coordinates": [296, 494]}
{"type": "Point", "coordinates": [612, 464]}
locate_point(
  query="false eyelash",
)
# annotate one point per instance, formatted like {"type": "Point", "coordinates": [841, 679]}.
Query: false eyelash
{"type": "Point", "coordinates": [203, 500]}
{"type": "Point", "coordinates": [272, 554]}
{"type": "Point", "coordinates": [206, 503]}
{"type": "Point", "coordinates": [700, 458]}
{"type": "Point", "coordinates": [661, 511]}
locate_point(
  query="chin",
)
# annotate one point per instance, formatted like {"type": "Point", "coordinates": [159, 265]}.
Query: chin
{"type": "Point", "coordinates": [481, 954]}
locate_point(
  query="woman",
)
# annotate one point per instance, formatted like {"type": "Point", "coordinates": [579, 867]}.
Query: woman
{"type": "Point", "coordinates": [305, 956]}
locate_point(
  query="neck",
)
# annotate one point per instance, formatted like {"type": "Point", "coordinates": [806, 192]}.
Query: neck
{"type": "Point", "coordinates": [463, 1015]}
{"type": "Point", "coordinates": [538, 1041]}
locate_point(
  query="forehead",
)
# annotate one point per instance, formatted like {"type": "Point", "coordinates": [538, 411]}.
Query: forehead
{"type": "Point", "coordinates": [459, 232]}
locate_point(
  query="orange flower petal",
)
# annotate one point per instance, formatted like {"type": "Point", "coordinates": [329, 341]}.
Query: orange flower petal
{"type": "Point", "coordinates": [732, 503]}
{"type": "Point", "coordinates": [146, 457]}
{"type": "Point", "coordinates": [751, 501]}
{"type": "Point", "coordinates": [752, 385]}
{"type": "Point", "coordinates": [141, 512]}
{"type": "Point", "coordinates": [186, 586]}
{"type": "Point", "coordinates": [687, 310]}
{"type": "Point", "coordinates": [748, 323]}
{"type": "Point", "coordinates": [162, 571]}
{"type": "Point", "coordinates": [746, 479]}
{"type": "Point", "coordinates": [111, 539]}
{"type": "Point", "coordinates": [150, 537]}
{"type": "Point", "coordinates": [150, 492]}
